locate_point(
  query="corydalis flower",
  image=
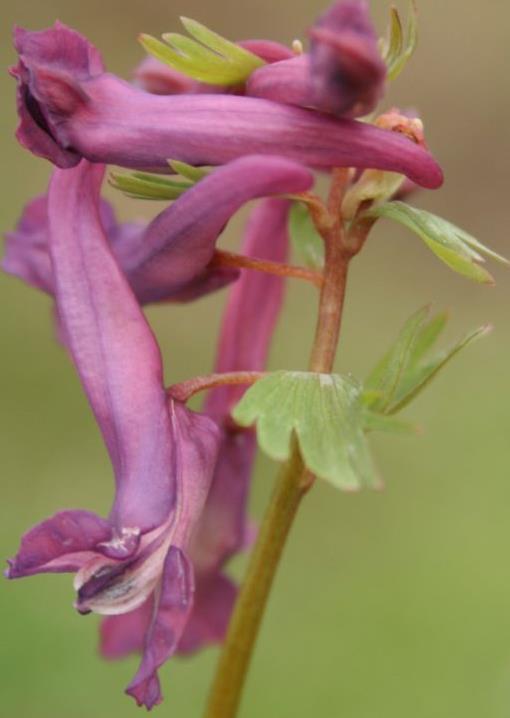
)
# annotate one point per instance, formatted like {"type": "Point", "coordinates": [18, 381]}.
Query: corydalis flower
{"type": "Point", "coordinates": [248, 324]}
{"type": "Point", "coordinates": [70, 109]}
{"type": "Point", "coordinates": [163, 455]}
{"type": "Point", "coordinates": [343, 74]}
{"type": "Point", "coordinates": [168, 258]}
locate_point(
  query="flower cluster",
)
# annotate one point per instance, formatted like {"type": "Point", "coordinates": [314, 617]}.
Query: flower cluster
{"type": "Point", "coordinates": [155, 567]}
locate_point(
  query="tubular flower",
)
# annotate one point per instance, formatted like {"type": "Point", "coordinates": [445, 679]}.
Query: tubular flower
{"type": "Point", "coordinates": [248, 325]}
{"type": "Point", "coordinates": [70, 109]}
{"type": "Point", "coordinates": [166, 259]}
{"type": "Point", "coordinates": [163, 455]}
{"type": "Point", "coordinates": [343, 74]}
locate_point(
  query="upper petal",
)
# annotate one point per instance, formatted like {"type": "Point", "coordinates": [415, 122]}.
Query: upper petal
{"type": "Point", "coordinates": [61, 543]}
{"type": "Point", "coordinates": [114, 350]}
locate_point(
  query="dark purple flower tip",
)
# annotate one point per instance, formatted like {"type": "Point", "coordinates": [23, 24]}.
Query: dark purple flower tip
{"type": "Point", "coordinates": [51, 63]}
{"type": "Point", "coordinates": [347, 69]}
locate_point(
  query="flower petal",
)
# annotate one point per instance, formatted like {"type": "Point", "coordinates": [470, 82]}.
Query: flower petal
{"type": "Point", "coordinates": [171, 614]}
{"type": "Point", "coordinates": [212, 606]}
{"type": "Point", "coordinates": [125, 634]}
{"type": "Point", "coordinates": [62, 543]}
{"type": "Point", "coordinates": [69, 58]}
{"type": "Point", "coordinates": [114, 351]}
{"type": "Point", "coordinates": [107, 120]}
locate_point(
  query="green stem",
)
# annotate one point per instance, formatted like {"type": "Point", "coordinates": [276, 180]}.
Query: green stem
{"type": "Point", "coordinates": [292, 483]}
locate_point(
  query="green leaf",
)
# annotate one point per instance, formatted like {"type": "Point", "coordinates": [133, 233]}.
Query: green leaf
{"type": "Point", "coordinates": [428, 336]}
{"type": "Point", "coordinates": [143, 185]}
{"type": "Point", "coordinates": [326, 415]}
{"type": "Point", "coordinates": [205, 56]}
{"type": "Point", "coordinates": [306, 241]}
{"type": "Point", "coordinates": [195, 174]}
{"type": "Point", "coordinates": [457, 249]}
{"type": "Point", "coordinates": [395, 50]}
{"type": "Point", "coordinates": [393, 45]}
{"type": "Point", "coordinates": [420, 376]}
{"type": "Point", "coordinates": [383, 382]}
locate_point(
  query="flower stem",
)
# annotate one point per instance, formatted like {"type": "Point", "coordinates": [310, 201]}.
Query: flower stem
{"type": "Point", "coordinates": [184, 390]}
{"type": "Point", "coordinates": [231, 259]}
{"type": "Point", "coordinates": [293, 481]}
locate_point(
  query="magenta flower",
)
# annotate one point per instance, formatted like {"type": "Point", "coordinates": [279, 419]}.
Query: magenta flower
{"type": "Point", "coordinates": [250, 317]}
{"type": "Point", "coordinates": [343, 74]}
{"type": "Point", "coordinates": [163, 455]}
{"type": "Point", "coordinates": [70, 109]}
{"type": "Point", "coordinates": [168, 258]}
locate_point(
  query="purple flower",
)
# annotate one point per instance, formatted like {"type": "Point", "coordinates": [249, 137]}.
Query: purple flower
{"type": "Point", "coordinates": [69, 109]}
{"type": "Point", "coordinates": [166, 259]}
{"type": "Point", "coordinates": [344, 73]}
{"type": "Point", "coordinates": [249, 321]}
{"type": "Point", "coordinates": [163, 455]}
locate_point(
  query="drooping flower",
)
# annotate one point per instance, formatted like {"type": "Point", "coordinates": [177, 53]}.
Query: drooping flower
{"type": "Point", "coordinates": [248, 325]}
{"type": "Point", "coordinates": [343, 73]}
{"type": "Point", "coordinates": [168, 258]}
{"type": "Point", "coordinates": [163, 455]}
{"type": "Point", "coordinates": [70, 109]}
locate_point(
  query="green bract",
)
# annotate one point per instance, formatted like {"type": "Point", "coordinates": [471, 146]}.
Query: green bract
{"type": "Point", "coordinates": [456, 248]}
{"type": "Point", "coordinates": [207, 58]}
{"type": "Point", "coordinates": [326, 414]}
{"type": "Point", "coordinates": [306, 241]}
{"type": "Point", "coordinates": [143, 185]}
{"type": "Point", "coordinates": [407, 368]}
{"type": "Point", "coordinates": [395, 51]}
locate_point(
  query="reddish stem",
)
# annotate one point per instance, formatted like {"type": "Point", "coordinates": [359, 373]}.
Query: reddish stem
{"type": "Point", "coordinates": [184, 390]}
{"type": "Point", "coordinates": [231, 259]}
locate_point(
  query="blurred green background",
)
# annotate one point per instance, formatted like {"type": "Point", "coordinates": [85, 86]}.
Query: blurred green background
{"type": "Point", "coordinates": [390, 604]}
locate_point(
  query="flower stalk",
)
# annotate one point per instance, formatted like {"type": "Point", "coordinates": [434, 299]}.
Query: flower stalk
{"type": "Point", "coordinates": [223, 258]}
{"type": "Point", "coordinates": [184, 390]}
{"type": "Point", "coordinates": [292, 483]}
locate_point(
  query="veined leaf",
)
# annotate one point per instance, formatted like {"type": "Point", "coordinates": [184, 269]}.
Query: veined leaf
{"type": "Point", "coordinates": [205, 56]}
{"type": "Point", "coordinates": [428, 336]}
{"type": "Point", "coordinates": [420, 376]}
{"type": "Point", "coordinates": [384, 380]}
{"type": "Point", "coordinates": [143, 185]}
{"type": "Point", "coordinates": [325, 413]}
{"type": "Point", "coordinates": [456, 248]}
{"type": "Point", "coordinates": [406, 369]}
{"type": "Point", "coordinates": [395, 50]}
{"type": "Point", "coordinates": [306, 241]}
